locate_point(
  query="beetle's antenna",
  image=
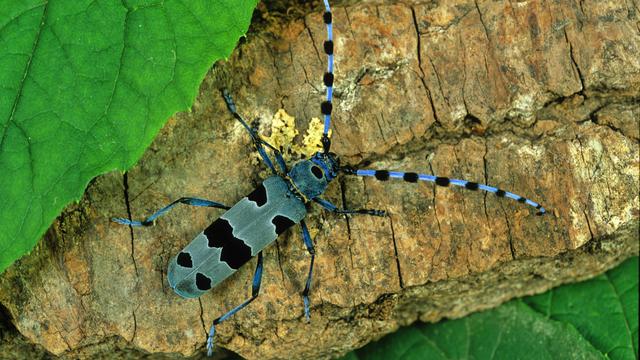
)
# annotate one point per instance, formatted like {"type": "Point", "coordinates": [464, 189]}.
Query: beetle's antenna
{"type": "Point", "coordinates": [383, 175]}
{"type": "Point", "coordinates": [326, 105]}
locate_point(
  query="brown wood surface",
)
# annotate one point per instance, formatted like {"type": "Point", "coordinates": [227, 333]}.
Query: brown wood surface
{"type": "Point", "coordinates": [537, 97]}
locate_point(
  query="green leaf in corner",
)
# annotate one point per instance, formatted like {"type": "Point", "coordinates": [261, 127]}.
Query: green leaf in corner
{"type": "Point", "coordinates": [603, 309]}
{"type": "Point", "coordinates": [85, 85]}
{"type": "Point", "coordinates": [511, 331]}
{"type": "Point", "coordinates": [595, 319]}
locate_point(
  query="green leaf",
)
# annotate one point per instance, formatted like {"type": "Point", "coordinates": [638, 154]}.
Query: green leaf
{"type": "Point", "coordinates": [511, 331]}
{"type": "Point", "coordinates": [595, 319]}
{"type": "Point", "coordinates": [604, 309]}
{"type": "Point", "coordinates": [85, 85]}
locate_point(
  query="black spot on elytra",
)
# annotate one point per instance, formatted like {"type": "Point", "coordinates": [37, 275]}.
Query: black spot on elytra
{"type": "Point", "coordinates": [382, 175]}
{"type": "Point", "coordinates": [219, 233]}
{"type": "Point", "coordinates": [500, 193]}
{"type": "Point", "coordinates": [203, 282]}
{"type": "Point", "coordinates": [328, 79]}
{"type": "Point", "coordinates": [442, 181]}
{"type": "Point", "coordinates": [471, 185]}
{"type": "Point", "coordinates": [410, 177]}
{"type": "Point", "coordinates": [184, 260]}
{"type": "Point", "coordinates": [282, 223]}
{"type": "Point", "coordinates": [326, 107]}
{"type": "Point", "coordinates": [259, 195]}
{"type": "Point", "coordinates": [234, 251]}
{"type": "Point", "coordinates": [522, 200]}
{"type": "Point", "coordinates": [328, 47]}
{"type": "Point", "coordinates": [317, 172]}
{"type": "Point", "coordinates": [327, 17]}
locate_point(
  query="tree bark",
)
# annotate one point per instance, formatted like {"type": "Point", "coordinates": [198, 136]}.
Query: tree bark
{"type": "Point", "coordinates": [540, 98]}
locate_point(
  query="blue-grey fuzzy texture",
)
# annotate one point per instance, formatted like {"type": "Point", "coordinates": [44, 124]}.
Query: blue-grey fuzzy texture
{"type": "Point", "coordinates": [251, 223]}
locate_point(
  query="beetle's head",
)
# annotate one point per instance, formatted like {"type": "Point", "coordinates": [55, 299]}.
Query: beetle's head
{"type": "Point", "coordinates": [328, 163]}
{"type": "Point", "coordinates": [311, 176]}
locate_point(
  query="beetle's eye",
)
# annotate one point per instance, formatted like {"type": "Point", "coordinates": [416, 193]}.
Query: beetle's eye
{"type": "Point", "coordinates": [316, 172]}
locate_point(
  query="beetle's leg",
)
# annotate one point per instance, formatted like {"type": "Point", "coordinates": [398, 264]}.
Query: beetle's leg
{"type": "Point", "coordinates": [329, 206]}
{"type": "Point", "coordinates": [183, 200]}
{"type": "Point", "coordinates": [279, 159]}
{"type": "Point", "coordinates": [278, 155]}
{"type": "Point", "coordinates": [413, 177]}
{"type": "Point", "coordinates": [309, 244]}
{"type": "Point", "coordinates": [255, 290]}
{"type": "Point", "coordinates": [257, 140]}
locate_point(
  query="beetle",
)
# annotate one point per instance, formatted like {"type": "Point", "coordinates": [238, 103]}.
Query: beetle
{"type": "Point", "coordinates": [277, 204]}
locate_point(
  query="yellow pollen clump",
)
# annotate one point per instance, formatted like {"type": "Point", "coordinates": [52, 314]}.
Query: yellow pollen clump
{"type": "Point", "coordinates": [283, 132]}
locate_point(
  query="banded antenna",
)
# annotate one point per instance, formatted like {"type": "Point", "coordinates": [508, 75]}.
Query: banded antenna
{"type": "Point", "coordinates": [327, 79]}
{"type": "Point", "coordinates": [413, 177]}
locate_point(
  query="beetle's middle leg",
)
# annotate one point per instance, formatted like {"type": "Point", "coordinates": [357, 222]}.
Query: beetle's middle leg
{"type": "Point", "coordinates": [257, 140]}
{"type": "Point", "coordinates": [183, 200]}
{"type": "Point", "coordinates": [255, 290]}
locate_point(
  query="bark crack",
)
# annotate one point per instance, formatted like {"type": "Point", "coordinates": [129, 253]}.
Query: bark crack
{"type": "Point", "coordinates": [422, 75]}
{"type": "Point", "coordinates": [509, 235]}
{"type": "Point", "coordinates": [202, 316]}
{"type": "Point", "coordinates": [135, 326]}
{"type": "Point", "coordinates": [464, 77]}
{"type": "Point", "coordinates": [66, 342]}
{"type": "Point", "coordinates": [125, 181]}
{"type": "Point", "coordinates": [380, 129]}
{"type": "Point", "coordinates": [584, 211]}
{"type": "Point", "coordinates": [395, 251]}
{"type": "Point", "coordinates": [593, 117]}
{"type": "Point", "coordinates": [306, 78]}
{"type": "Point", "coordinates": [574, 62]}
{"type": "Point", "coordinates": [346, 12]}
{"type": "Point", "coordinates": [484, 26]}
{"type": "Point", "coordinates": [313, 42]}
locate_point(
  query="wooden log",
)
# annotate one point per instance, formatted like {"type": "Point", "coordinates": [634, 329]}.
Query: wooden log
{"type": "Point", "coordinates": [540, 98]}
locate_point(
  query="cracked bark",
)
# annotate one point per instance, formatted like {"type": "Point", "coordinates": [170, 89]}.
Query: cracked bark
{"type": "Point", "coordinates": [125, 185]}
{"type": "Point", "coordinates": [395, 252]}
{"type": "Point", "coordinates": [135, 326]}
{"type": "Point", "coordinates": [422, 75]}
{"type": "Point", "coordinates": [554, 95]}
{"type": "Point", "coordinates": [573, 61]}
{"type": "Point", "coordinates": [204, 327]}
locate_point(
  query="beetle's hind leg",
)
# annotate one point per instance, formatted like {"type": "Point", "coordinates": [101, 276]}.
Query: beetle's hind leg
{"type": "Point", "coordinates": [257, 140]}
{"type": "Point", "coordinates": [183, 200]}
{"type": "Point", "coordinates": [309, 244]}
{"type": "Point", "coordinates": [255, 290]}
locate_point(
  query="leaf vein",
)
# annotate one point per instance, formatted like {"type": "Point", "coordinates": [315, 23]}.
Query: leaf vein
{"type": "Point", "coordinates": [25, 73]}
{"type": "Point", "coordinates": [624, 312]}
